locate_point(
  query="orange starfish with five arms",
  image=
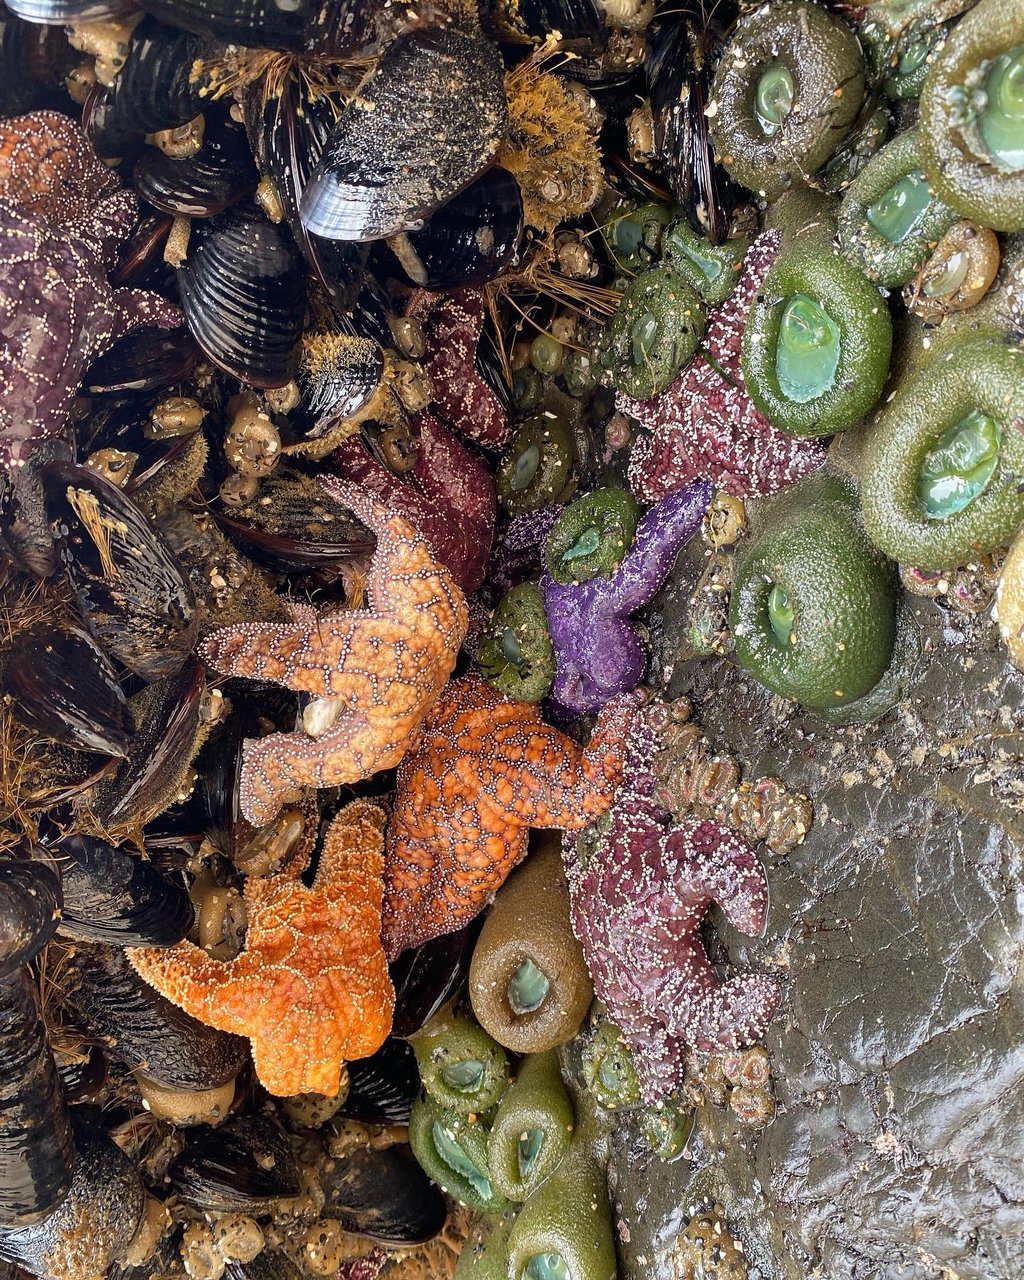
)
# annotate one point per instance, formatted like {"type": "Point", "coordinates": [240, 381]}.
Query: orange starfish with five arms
{"type": "Point", "coordinates": [485, 770]}
{"type": "Point", "coordinates": [375, 672]}
{"type": "Point", "coordinates": [311, 988]}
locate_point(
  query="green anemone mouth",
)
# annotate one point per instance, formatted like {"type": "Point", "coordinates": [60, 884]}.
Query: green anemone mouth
{"type": "Point", "coordinates": [808, 351]}
{"type": "Point", "coordinates": [774, 96]}
{"type": "Point", "coordinates": [959, 466]}
{"type": "Point", "coordinates": [1001, 121]}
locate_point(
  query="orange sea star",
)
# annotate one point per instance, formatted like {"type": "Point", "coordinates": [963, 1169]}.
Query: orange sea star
{"type": "Point", "coordinates": [376, 671]}
{"type": "Point", "coordinates": [485, 770]}
{"type": "Point", "coordinates": [311, 988]}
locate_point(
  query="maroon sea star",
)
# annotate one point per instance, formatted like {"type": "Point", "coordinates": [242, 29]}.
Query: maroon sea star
{"type": "Point", "coordinates": [705, 425]}
{"type": "Point", "coordinates": [58, 313]}
{"type": "Point", "coordinates": [638, 891]}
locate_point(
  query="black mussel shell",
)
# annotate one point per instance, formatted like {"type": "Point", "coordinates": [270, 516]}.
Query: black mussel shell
{"type": "Point", "coordinates": [288, 131]}
{"type": "Point", "coordinates": [30, 907]}
{"type": "Point", "coordinates": [244, 297]}
{"type": "Point", "coordinates": [219, 175]}
{"type": "Point", "coordinates": [268, 1265]}
{"type": "Point", "coordinates": [61, 12]}
{"type": "Point", "coordinates": [112, 896]}
{"type": "Point", "coordinates": [155, 90]}
{"type": "Point", "coordinates": [426, 977]}
{"type": "Point", "coordinates": [337, 381]}
{"type": "Point", "coordinates": [297, 529]}
{"type": "Point", "coordinates": [383, 1087]}
{"type": "Point", "coordinates": [385, 168]}
{"type": "Point", "coordinates": [108, 999]}
{"type": "Point", "coordinates": [142, 256]}
{"type": "Point", "coordinates": [533, 20]}
{"type": "Point", "coordinates": [62, 684]}
{"type": "Point", "coordinates": [147, 781]}
{"type": "Point", "coordinates": [384, 1194]}
{"type": "Point", "coordinates": [82, 1074]}
{"type": "Point", "coordinates": [36, 1145]}
{"type": "Point", "coordinates": [147, 360]}
{"type": "Point", "coordinates": [325, 27]}
{"type": "Point", "coordinates": [683, 53]}
{"type": "Point", "coordinates": [96, 1219]}
{"type": "Point", "coordinates": [33, 61]}
{"type": "Point", "coordinates": [245, 1164]}
{"type": "Point", "coordinates": [469, 240]}
{"type": "Point", "coordinates": [25, 532]}
{"type": "Point", "coordinates": [131, 591]}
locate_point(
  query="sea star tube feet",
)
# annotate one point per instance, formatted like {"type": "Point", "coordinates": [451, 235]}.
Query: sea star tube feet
{"type": "Point", "coordinates": [485, 770]}
{"type": "Point", "coordinates": [311, 987]}
{"type": "Point", "coordinates": [384, 665]}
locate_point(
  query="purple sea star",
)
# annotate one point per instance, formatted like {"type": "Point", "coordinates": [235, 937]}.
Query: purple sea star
{"type": "Point", "coordinates": [58, 313]}
{"type": "Point", "coordinates": [705, 424]}
{"type": "Point", "coordinates": [636, 904]}
{"type": "Point", "coordinates": [597, 649]}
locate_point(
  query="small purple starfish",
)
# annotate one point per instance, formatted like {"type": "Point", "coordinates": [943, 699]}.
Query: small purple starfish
{"type": "Point", "coordinates": [58, 313]}
{"type": "Point", "coordinates": [597, 648]}
{"type": "Point", "coordinates": [636, 905]}
{"type": "Point", "coordinates": [705, 424]}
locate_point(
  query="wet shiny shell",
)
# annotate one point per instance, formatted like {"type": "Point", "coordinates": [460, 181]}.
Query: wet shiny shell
{"type": "Point", "coordinates": [469, 240]}
{"type": "Point", "coordinates": [246, 1164]}
{"type": "Point", "coordinates": [384, 1194]}
{"type": "Point", "coordinates": [383, 1087]}
{"type": "Point", "coordinates": [109, 999]}
{"type": "Point", "coordinates": [384, 169]}
{"type": "Point", "coordinates": [243, 294]}
{"type": "Point", "coordinates": [219, 175]}
{"type": "Point", "coordinates": [95, 1221]}
{"type": "Point", "coordinates": [531, 21]}
{"type": "Point", "coordinates": [36, 1147]}
{"type": "Point", "coordinates": [338, 378]}
{"type": "Point", "coordinates": [153, 91]}
{"type": "Point", "coordinates": [111, 896]}
{"type": "Point", "coordinates": [62, 684]}
{"type": "Point", "coordinates": [148, 779]}
{"type": "Point", "coordinates": [297, 528]}
{"type": "Point", "coordinates": [148, 360]}
{"type": "Point", "coordinates": [59, 12]}
{"type": "Point", "coordinates": [130, 589]}
{"type": "Point", "coordinates": [30, 909]}
{"type": "Point", "coordinates": [425, 977]}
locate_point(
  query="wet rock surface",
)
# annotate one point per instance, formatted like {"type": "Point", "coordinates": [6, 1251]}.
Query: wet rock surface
{"type": "Point", "coordinates": [898, 1054]}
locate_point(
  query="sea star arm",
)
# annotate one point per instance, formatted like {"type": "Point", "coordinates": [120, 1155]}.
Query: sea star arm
{"type": "Point", "coordinates": [664, 529]}
{"type": "Point", "coordinates": [352, 858]}
{"type": "Point", "coordinates": [217, 992]}
{"type": "Point", "coordinates": [725, 869]}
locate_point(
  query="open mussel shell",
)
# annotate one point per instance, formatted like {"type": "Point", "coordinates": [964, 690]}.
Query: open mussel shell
{"type": "Point", "coordinates": [683, 54]}
{"type": "Point", "coordinates": [245, 1164]}
{"type": "Point", "coordinates": [149, 778]}
{"type": "Point", "coordinates": [111, 896]}
{"type": "Point", "coordinates": [384, 1194]}
{"type": "Point", "coordinates": [469, 240]}
{"type": "Point", "coordinates": [243, 293]}
{"type": "Point", "coordinates": [384, 169]}
{"type": "Point", "coordinates": [30, 908]}
{"type": "Point", "coordinates": [219, 175]}
{"type": "Point", "coordinates": [154, 90]}
{"type": "Point", "coordinates": [297, 529]}
{"type": "Point", "coordinates": [383, 1087]}
{"type": "Point", "coordinates": [130, 589]}
{"type": "Point", "coordinates": [108, 999]}
{"type": "Point", "coordinates": [62, 684]}
{"type": "Point", "coordinates": [288, 130]}
{"type": "Point", "coordinates": [95, 1221]}
{"type": "Point", "coordinates": [36, 1147]}
{"type": "Point", "coordinates": [61, 12]}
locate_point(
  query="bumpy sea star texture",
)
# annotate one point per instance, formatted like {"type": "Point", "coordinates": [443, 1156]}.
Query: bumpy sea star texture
{"type": "Point", "coordinates": [705, 424]}
{"type": "Point", "coordinates": [485, 770]}
{"type": "Point", "coordinates": [637, 902]}
{"type": "Point", "coordinates": [597, 648]}
{"type": "Point", "coordinates": [311, 987]}
{"type": "Point", "coordinates": [58, 313]}
{"type": "Point", "coordinates": [462, 396]}
{"type": "Point", "coordinates": [449, 495]}
{"type": "Point", "coordinates": [383, 666]}
{"type": "Point", "coordinates": [48, 168]}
